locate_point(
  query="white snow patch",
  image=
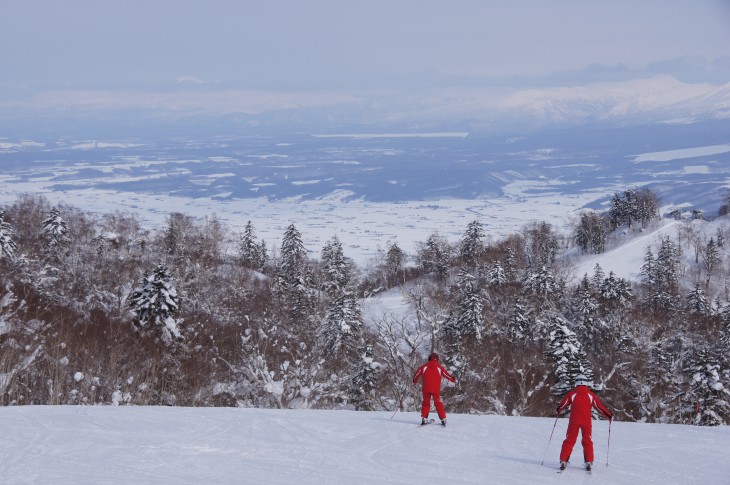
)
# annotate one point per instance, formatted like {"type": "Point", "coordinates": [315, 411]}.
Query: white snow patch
{"type": "Point", "coordinates": [682, 153]}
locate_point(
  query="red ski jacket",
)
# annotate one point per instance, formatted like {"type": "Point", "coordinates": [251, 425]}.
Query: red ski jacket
{"type": "Point", "coordinates": [432, 373]}
{"type": "Point", "coordinates": [580, 401]}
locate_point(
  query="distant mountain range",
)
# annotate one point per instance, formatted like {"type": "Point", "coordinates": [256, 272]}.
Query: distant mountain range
{"type": "Point", "coordinates": [486, 109]}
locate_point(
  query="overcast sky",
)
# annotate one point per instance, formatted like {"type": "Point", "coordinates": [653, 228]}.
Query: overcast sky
{"type": "Point", "coordinates": [350, 47]}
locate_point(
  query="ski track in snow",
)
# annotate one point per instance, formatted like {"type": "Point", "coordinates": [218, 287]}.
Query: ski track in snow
{"type": "Point", "coordinates": [161, 445]}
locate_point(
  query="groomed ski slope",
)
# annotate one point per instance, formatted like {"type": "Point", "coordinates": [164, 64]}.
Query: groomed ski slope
{"type": "Point", "coordinates": [161, 445]}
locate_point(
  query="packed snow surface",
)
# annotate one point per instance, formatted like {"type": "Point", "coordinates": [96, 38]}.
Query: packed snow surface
{"type": "Point", "coordinates": [161, 445]}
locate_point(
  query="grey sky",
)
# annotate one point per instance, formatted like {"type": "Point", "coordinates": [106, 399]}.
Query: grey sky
{"type": "Point", "coordinates": [352, 47]}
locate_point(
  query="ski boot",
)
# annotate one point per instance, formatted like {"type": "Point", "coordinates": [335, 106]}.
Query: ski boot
{"type": "Point", "coordinates": [563, 465]}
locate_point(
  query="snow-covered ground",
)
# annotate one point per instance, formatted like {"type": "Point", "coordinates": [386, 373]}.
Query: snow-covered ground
{"type": "Point", "coordinates": [161, 445]}
{"type": "Point", "coordinates": [626, 260]}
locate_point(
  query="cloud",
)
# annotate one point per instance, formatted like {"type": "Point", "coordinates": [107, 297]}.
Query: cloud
{"type": "Point", "coordinates": [189, 80]}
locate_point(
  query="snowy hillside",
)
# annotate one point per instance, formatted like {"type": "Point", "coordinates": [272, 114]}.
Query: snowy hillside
{"type": "Point", "coordinates": [625, 260]}
{"type": "Point", "coordinates": [154, 445]}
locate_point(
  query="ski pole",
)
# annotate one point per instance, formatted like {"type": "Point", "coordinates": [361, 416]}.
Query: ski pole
{"type": "Point", "coordinates": [549, 440]}
{"type": "Point", "coordinates": [396, 410]}
{"type": "Point", "coordinates": [608, 446]}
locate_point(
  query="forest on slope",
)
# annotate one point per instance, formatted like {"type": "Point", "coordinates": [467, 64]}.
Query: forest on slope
{"type": "Point", "coordinates": [98, 309]}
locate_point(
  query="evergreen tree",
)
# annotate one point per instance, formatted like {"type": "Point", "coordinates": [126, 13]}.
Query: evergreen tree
{"type": "Point", "coordinates": [8, 246]}
{"type": "Point", "coordinates": [708, 398]}
{"type": "Point", "coordinates": [661, 276]}
{"type": "Point", "coordinates": [510, 270]}
{"type": "Point", "coordinates": [725, 335]}
{"type": "Point", "coordinates": [342, 330]}
{"type": "Point", "coordinates": [253, 255]}
{"type": "Point", "coordinates": [435, 256]}
{"type": "Point", "coordinates": [543, 285]}
{"type": "Point", "coordinates": [518, 326]}
{"type": "Point", "coordinates": [711, 258]}
{"type": "Point", "coordinates": [472, 245]}
{"type": "Point", "coordinates": [496, 276]}
{"type": "Point", "coordinates": [615, 291]}
{"type": "Point", "coordinates": [586, 308]}
{"type": "Point", "coordinates": [395, 260]}
{"type": "Point", "coordinates": [337, 276]}
{"type": "Point", "coordinates": [365, 380]}
{"type": "Point", "coordinates": [648, 269]}
{"type": "Point", "coordinates": [598, 276]}
{"type": "Point", "coordinates": [697, 301]}
{"type": "Point", "coordinates": [292, 282]}
{"type": "Point", "coordinates": [55, 229]}
{"type": "Point", "coordinates": [155, 304]}
{"type": "Point", "coordinates": [179, 230]}
{"type": "Point", "coordinates": [568, 357]}
{"type": "Point", "coordinates": [467, 318]}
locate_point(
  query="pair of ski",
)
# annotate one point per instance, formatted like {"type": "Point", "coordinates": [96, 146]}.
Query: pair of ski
{"type": "Point", "coordinates": [431, 421]}
{"type": "Point", "coordinates": [588, 468]}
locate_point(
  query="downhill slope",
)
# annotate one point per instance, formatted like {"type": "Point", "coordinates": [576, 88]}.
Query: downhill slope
{"type": "Point", "coordinates": [626, 260]}
{"type": "Point", "coordinates": [156, 445]}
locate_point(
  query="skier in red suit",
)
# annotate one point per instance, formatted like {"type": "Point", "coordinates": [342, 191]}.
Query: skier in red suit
{"type": "Point", "coordinates": [580, 401]}
{"type": "Point", "coordinates": [432, 373]}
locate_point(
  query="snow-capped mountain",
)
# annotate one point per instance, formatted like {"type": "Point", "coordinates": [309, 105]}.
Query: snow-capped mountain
{"type": "Point", "coordinates": [657, 99]}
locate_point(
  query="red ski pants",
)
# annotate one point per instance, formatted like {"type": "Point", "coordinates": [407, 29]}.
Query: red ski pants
{"type": "Point", "coordinates": [426, 406]}
{"type": "Point", "coordinates": [571, 436]}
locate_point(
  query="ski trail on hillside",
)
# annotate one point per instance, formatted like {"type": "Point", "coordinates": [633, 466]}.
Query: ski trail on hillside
{"type": "Point", "coordinates": [625, 260]}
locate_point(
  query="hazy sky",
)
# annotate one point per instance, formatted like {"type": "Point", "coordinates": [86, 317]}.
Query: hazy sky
{"type": "Point", "coordinates": [350, 47]}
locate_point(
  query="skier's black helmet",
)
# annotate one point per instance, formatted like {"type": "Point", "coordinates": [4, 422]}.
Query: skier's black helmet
{"type": "Point", "coordinates": [433, 356]}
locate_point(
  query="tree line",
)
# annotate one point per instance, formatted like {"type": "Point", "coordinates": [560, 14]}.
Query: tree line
{"type": "Point", "coordinates": [101, 309]}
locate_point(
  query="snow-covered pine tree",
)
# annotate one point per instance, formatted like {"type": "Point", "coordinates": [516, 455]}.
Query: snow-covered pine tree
{"type": "Point", "coordinates": [496, 276]}
{"type": "Point", "coordinates": [567, 354]}
{"type": "Point", "coordinates": [472, 244]}
{"type": "Point", "coordinates": [8, 246]}
{"type": "Point", "coordinates": [179, 229]}
{"type": "Point", "coordinates": [708, 400]}
{"type": "Point", "coordinates": [395, 260]}
{"type": "Point", "coordinates": [711, 258]}
{"type": "Point", "coordinates": [518, 325]}
{"type": "Point", "coordinates": [646, 206]}
{"type": "Point", "coordinates": [55, 229]}
{"type": "Point", "coordinates": [725, 335]}
{"type": "Point", "coordinates": [435, 256]}
{"type": "Point", "coordinates": [466, 320]}
{"type": "Point", "coordinates": [615, 292]}
{"type": "Point", "coordinates": [661, 276]}
{"type": "Point", "coordinates": [336, 272]}
{"type": "Point", "coordinates": [697, 301]}
{"type": "Point", "coordinates": [585, 308]}
{"type": "Point", "coordinates": [365, 380]}
{"type": "Point", "coordinates": [598, 276]}
{"type": "Point", "coordinates": [292, 282]}
{"type": "Point", "coordinates": [341, 333]}
{"type": "Point", "coordinates": [155, 304]}
{"type": "Point", "coordinates": [656, 391]}
{"type": "Point", "coordinates": [543, 285]}
{"type": "Point", "coordinates": [250, 251]}
{"type": "Point", "coordinates": [510, 269]}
